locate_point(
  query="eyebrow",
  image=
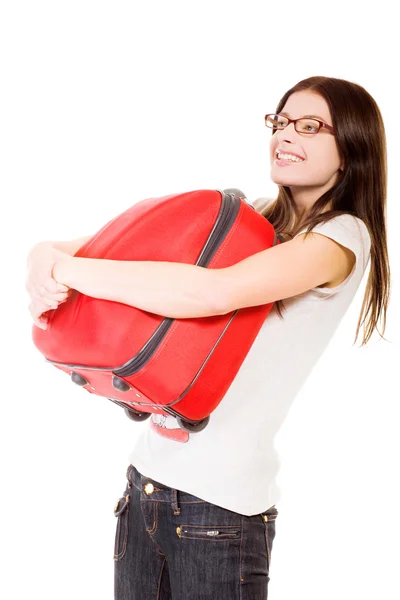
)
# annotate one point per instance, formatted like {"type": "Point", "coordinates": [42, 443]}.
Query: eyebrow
{"type": "Point", "coordinates": [304, 116]}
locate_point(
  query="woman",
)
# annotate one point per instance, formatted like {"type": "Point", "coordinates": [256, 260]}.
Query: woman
{"type": "Point", "coordinates": [197, 518]}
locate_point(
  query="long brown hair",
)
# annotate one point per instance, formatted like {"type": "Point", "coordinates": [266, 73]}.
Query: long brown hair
{"type": "Point", "coordinates": [361, 189]}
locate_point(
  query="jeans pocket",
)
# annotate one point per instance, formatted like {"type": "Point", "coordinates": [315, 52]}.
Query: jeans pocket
{"type": "Point", "coordinates": [121, 511]}
{"type": "Point", "coordinates": [208, 532]}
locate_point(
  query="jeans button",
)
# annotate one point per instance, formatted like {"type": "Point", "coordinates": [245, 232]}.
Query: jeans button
{"type": "Point", "coordinates": [148, 488]}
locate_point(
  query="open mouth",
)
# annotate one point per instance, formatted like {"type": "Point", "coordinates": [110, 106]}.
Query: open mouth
{"type": "Point", "coordinates": [287, 159]}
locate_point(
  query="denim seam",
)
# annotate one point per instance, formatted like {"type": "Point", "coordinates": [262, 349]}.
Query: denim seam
{"type": "Point", "coordinates": [267, 544]}
{"type": "Point", "coordinates": [152, 530]}
{"type": "Point", "coordinates": [241, 560]}
{"type": "Point", "coordinates": [151, 536]}
{"type": "Point", "coordinates": [159, 580]}
{"type": "Point", "coordinates": [122, 533]}
{"type": "Point", "coordinates": [146, 499]}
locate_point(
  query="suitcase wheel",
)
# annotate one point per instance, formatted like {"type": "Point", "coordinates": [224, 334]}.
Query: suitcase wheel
{"type": "Point", "coordinates": [192, 427]}
{"type": "Point", "coordinates": [135, 415]}
{"type": "Point", "coordinates": [78, 379]}
{"type": "Point", "coordinates": [120, 384]}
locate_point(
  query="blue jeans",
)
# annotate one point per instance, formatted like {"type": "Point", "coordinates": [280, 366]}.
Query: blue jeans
{"type": "Point", "coordinates": [170, 545]}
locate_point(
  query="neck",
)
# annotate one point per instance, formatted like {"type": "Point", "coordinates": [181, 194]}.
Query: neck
{"type": "Point", "coordinates": [306, 196]}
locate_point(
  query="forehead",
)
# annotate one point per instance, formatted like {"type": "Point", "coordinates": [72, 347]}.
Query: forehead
{"type": "Point", "coordinates": [307, 103]}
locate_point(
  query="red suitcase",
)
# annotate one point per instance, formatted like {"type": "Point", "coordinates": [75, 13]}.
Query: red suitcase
{"type": "Point", "coordinates": [144, 362]}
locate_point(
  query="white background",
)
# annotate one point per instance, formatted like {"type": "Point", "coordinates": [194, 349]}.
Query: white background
{"type": "Point", "coordinates": [104, 104]}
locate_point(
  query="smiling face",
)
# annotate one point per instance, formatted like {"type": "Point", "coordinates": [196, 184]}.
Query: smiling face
{"type": "Point", "coordinates": [320, 169]}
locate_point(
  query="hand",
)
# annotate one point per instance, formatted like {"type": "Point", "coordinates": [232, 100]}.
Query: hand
{"type": "Point", "coordinates": [44, 290]}
{"type": "Point", "coordinates": [39, 314]}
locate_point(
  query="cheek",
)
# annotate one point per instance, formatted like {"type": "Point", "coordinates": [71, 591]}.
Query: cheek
{"type": "Point", "coordinates": [328, 148]}
{"type": "Point", "coordinates": [322, 154]}
{"type": "Point", "coordinates": [325, 158]}
{"type": "Point", "coordinates": [272, 145]}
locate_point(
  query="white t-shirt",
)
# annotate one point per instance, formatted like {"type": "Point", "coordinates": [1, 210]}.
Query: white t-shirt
{"type": "Point", "coordinates": [233, 462]}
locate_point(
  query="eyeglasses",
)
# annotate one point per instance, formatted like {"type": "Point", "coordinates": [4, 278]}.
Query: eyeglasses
{"type": "Point", "coordinates": [307, 126]}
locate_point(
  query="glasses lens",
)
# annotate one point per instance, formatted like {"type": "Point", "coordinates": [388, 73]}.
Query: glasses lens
{"type": "Point", "coordinates": [276, 121]}
{"type": "Point", "coordinates": [307, 126]}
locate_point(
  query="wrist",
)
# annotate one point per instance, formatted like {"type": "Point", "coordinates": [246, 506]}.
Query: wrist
{"type": "Point", "coordinates": [62, 271]}
{"type": "Point", "coordinates": [37, 248]}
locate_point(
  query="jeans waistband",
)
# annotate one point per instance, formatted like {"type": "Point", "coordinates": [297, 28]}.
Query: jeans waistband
{"type": "Point", "coordinates": [140, 481]}
{"type": "Point", "coordinates": [153, 490]}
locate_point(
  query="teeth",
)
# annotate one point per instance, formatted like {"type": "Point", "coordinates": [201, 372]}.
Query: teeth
{"type": "Point", "coordinates": [290, 157]}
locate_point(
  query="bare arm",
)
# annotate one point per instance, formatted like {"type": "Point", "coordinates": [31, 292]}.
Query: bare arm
{"type": "Point", "coordinates": [70, 247]}
{"type": "Point", "coordinates": [184, 291]}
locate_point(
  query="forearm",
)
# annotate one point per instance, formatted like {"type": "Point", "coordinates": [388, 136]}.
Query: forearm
{"type": "Point", "coordinates": [70, 247]}
{"type": "Point", "coordinates": [174, 290]}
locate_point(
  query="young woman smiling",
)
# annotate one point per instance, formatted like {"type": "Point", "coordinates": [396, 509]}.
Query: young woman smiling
{"type": "Point", "coordinates": [197, 517]}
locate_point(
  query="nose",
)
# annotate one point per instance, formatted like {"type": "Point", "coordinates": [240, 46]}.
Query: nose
{"type": "Point", "coordinates": [288, 134]}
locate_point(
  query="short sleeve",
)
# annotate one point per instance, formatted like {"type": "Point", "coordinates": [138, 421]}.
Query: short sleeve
{"type": "Point", "coordinates": [351, 232]}
{"type": "Point", "coordinates": [260, 203]}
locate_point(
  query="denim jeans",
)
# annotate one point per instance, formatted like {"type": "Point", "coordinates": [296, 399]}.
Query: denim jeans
{"type": "Point", "coordinates": [171, 545]}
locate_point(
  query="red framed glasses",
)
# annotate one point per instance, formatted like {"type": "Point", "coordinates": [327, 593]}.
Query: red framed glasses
{"type": "Point", "coordinates": [304, 125]}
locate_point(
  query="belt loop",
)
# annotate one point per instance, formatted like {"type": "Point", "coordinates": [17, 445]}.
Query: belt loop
{"type": "Point", "coordinates": [174, 503]}
{"type": "Point", "coordinates": [128, 475]}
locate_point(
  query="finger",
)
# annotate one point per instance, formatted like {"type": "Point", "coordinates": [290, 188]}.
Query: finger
{"type": "Point", "coordinates": [43, 320]}
{"type": "Point", "coordinates": [38, 289]}
{"type": "Point", "coordinates": [51, 305]}
{"type": "Point", "coordinates": [62, 295]}
{"type": "Point", "coordinates": [40, 322]}
{"type": "Point", "coordinates": [54, 286]}
{"type": "Point", "coordinates": [39, 319]}
{"type": "Point", "coordinates": [54, 298]}
{"type": "Point", "coordinates": [41, 311]}
{"type": "Point", "coordinates": [49, 298]}
{"type": "Point", "coordinates": [46, 287]}
{"type": "Point", "coordinates": [31, 285]}
{"type": "Point", "coordinates": [44, 290]}
{"type": "Point", "coordinates": [45, 302]}
{"type": "Point", "coordinates": [31, 291]}
{"type": "Point", "coordinates": [37, 308]}
{"type": "Point", "coordinates": [34, 293]}
{"type": "Point", "coordinates": [39, 292]}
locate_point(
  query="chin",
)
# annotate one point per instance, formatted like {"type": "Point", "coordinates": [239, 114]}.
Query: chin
{"type": "Point", "coordinates": [280, 180]}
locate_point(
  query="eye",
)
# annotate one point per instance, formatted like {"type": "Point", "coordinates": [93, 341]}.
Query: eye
{"type": "Point", "coordinates": [308, 125]}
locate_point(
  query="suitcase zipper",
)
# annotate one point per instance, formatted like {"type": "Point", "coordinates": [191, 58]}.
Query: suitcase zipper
{"type": "Point", "coordinates": [227, 215]}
